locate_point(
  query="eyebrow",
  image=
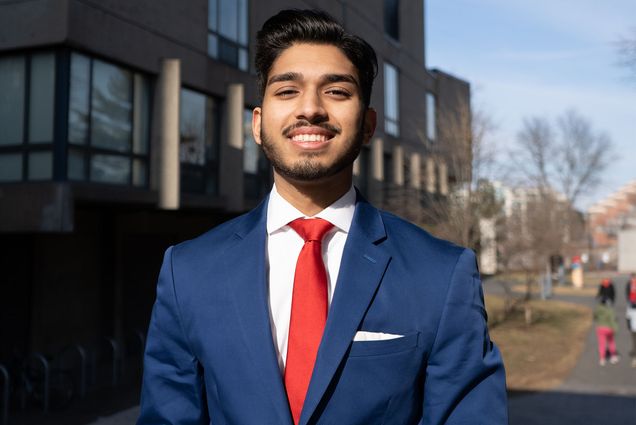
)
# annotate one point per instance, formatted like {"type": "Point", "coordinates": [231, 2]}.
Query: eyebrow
{"type": "Point", "coordinates": [287, 76]}
{"type": "Point", "coordinates": [297, 76]}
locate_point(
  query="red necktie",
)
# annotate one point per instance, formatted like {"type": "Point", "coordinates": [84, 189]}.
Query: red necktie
{"type": "Point", "coordinates": [308, 313]}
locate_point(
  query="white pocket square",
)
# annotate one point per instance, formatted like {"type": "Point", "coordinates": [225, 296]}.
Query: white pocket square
{"type": "Point", "coordinates": [374, 336]}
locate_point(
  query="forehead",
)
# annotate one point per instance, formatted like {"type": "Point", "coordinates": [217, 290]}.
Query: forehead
{"type": "Point", "coordinates": [313, 60]}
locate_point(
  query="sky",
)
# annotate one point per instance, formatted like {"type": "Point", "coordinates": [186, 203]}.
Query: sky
{"type": "Point", "coordinates": [539, 58]}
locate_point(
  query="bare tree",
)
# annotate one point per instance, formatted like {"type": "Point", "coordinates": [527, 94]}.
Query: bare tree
{"type": "Point", "coordinates": [626, 47]}
{"type": "Point", "coordinates": [470, 156]}
{"type": "Point", "coordinates": [569, 157]}
{"type": "Point", "coordinates": [557, 163]}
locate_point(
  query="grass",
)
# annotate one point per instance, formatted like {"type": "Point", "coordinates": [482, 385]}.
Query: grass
{"type": "Point", "coordinates": [539, 356]}
{"type": "Point", "coordinates": [591, 281]}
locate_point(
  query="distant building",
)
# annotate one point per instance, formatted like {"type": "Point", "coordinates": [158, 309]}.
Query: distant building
{"type": "Point", "coordinates": [611, 224]}
{"type": "Point", "coordinates": [539, 225]}
{"type": "Point", "coordinates": [125, 128]}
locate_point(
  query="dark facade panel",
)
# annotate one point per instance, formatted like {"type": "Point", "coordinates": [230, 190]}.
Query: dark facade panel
{"type": "Point", "coordinates": [25, 24]}
{"type": "Point", "coordinates": [36, 207]}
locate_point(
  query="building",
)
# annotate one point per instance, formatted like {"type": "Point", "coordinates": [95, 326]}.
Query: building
{"type": "Point", "coordinates": [124, 128]}
{"type": "Point", "coordinates": [611, 225]}
{"type": "Point", "coordinates": [537, 227]}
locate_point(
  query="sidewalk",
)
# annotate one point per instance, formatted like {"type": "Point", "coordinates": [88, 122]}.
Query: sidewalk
{"type": "Point", "coordinates": [126, 417]}
{"type": "Point", "coordinates": [592, 395]}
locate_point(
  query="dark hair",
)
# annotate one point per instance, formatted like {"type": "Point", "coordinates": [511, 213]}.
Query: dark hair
{"type": "Point", "coordinates": [312, 26]}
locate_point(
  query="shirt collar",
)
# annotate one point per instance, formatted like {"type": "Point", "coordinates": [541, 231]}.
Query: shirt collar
{"type": "Point", "coordinates": [340, 213]}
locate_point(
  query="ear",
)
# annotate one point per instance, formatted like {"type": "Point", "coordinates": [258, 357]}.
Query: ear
{"type": "Point", "coordinates": [256, 124]}
{"type": "Point", "coordinates": [368, 126]}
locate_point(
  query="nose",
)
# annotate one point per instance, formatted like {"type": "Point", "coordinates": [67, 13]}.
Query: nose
{"type": "Point", "coordinates": [311, 107]}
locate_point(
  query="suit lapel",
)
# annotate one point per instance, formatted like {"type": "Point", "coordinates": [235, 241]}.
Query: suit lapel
{"type": "Point", "coordinates": [363, 264]}
{"type": "Point", "coordinates": [245, 269]}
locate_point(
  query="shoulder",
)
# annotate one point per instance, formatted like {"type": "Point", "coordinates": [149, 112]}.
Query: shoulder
{"type": "Point", "coordinates": [418, 241]}
{"type": "Point", "coordinates": [220, 237]}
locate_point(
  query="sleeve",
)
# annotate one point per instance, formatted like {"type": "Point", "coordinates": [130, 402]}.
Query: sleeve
{"type": "Point", "coordinates": [465, 380]}
{"type": "Point", "coordinates": [172, 389]}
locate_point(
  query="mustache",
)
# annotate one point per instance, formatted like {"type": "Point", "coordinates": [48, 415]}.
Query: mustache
{"type": "Point", "coordinates": [303, 123]}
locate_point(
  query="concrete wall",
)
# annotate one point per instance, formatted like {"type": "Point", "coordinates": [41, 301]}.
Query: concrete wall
{"type": "Point", "coordinates": [627, 250]}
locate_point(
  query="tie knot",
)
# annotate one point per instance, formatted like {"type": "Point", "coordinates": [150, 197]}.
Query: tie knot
{"type": "Point", "coordinates": [311, 229]}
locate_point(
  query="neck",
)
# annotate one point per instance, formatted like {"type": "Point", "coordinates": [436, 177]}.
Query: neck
{"type": "Point", "coordinates": [312, 197]}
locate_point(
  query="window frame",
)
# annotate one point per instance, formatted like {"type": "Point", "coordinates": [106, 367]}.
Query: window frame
{"type": "Point", "coordinates": [391, 123]}
{"type": "Point", "coordinates": [262, 180]}
{"type": "Point", "coordinates": [25, 147]}
{"type": "Point", "coordinates": [223, 40]}
{"type": "Point", "coordinates": [88, 151]}
{"type": "Point", "coordinates": [391, 14]}
{"type": "Point", "coordinates": [431, 117]}
{"type": "Point", "coordinates": [210, 169]}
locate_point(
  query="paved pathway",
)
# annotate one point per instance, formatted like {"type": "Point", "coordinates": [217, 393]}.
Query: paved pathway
{"type": "Point", "coordinates": [592, 395]}
{"type": "Point", "coordinates": [126, 417]}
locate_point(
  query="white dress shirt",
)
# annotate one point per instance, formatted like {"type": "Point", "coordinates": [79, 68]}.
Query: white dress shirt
{"type": "Point", "coordinates": [283, 248]}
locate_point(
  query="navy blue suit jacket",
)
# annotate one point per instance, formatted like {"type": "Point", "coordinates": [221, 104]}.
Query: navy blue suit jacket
{"type": "Point", "coordinates": [210, 354]}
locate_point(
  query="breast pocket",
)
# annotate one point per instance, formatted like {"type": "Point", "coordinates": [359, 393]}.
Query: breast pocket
{"type": "Point", "coordinates": [383, 347]}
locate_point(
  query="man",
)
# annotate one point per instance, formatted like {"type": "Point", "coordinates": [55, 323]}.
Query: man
{"type": "Point", "coordinates": [316, 308]}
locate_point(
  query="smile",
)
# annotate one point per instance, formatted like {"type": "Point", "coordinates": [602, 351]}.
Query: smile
{"type": "Point", "coordinates": [309, 138]}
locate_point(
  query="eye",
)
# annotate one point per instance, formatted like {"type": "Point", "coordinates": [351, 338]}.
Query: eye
{"type": "Point", "coordinates": [338, 92]}
{"type": "Point", "coordinates": [285, 93]}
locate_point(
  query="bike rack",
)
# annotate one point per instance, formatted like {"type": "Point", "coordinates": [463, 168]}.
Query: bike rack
{"type": "Point", "coordinates": [83, 357]}
{"type": "Point", "coordinates": [141, 339]}
{"type": "Point", "coordinates": [116, 350]}
{"type": "Point", "coordinates": [46, 369]}
{"type": "Point", "coordinates": [4, 418]}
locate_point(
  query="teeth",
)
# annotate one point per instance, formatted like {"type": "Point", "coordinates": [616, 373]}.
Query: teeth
{"type": "Point", "coordinates": [309, 138]}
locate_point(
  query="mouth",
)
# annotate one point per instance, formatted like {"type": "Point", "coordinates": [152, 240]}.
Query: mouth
{"type": "Point", "coordinates": [311, 138]}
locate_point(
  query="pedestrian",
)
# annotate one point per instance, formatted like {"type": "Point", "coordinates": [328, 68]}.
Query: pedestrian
{"type": "Point", "coordinates": [630, 293]}
{"type": "Point", "coordinates": [630, 290]}
{"type": "Point", "coordinates": [606, 291]}
{"type": "Point", "coordinates": [252, 326]}
{"type": "Point", "coordinates": [606, 328]}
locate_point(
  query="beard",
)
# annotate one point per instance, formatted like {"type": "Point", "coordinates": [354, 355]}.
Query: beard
{"type": "Point", "coordinates": [309, 168]}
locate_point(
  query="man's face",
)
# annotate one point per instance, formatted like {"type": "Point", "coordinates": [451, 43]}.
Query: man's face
{"type": "Point", "coordinates": [312, 122]}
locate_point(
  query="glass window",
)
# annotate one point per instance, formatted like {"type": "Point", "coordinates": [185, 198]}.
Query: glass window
{"type": "Point", "coordinates": [197, 147]}
{"type": "Point", "coordinates": [192, 128]}
{"type": "Point", "coordinates": [391, 18]}
{"type": "Point", "coordinates": [139, 173]}
{"type": "Point", "coordinates": [32, 73]}
{"type": "Point", "coordinates": [361, 180]}
{"type": "Point", "coordinates": [79, 101]}
{"type": "Point", "coordinates": [213, 8]}
{"type": "Point", "coordinates": [41, 165]}
{"type": "Point", "coordinates": [431, 117]}
{"type": "Point", "coordinates": [213, 45]}
{"type": "Point", "coordinates": [41, 98]}
{"type": "Point", "coordinates": [12, 83]}
{"type": "Point", "coordinates": [256, 169]}
{"type": "Point", "coordinates": [251, 149]}
{"type": "Point", "coordinates": [391, 100]}
{"type": "Point", "coordinates": [10, 167]}
{"type": "Point", "coordinates": [242, 23]}
{"type": "Point", "coordinates": [228, 32]}
{"type": "Point", "coordinates": [388, 168]}
{"type": "Point", "coordinates": [76, 165]}
{"type": "Point", "coordinates": [111, 103]}
{"type": "Point", "coordinates": [228, 22]}
{"type": "Point", "coordinates": [109, 123]}
{"type": "Point", "coordinates": [110, 169]}
{"type": "Point", "coordinates": [141, 115]}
